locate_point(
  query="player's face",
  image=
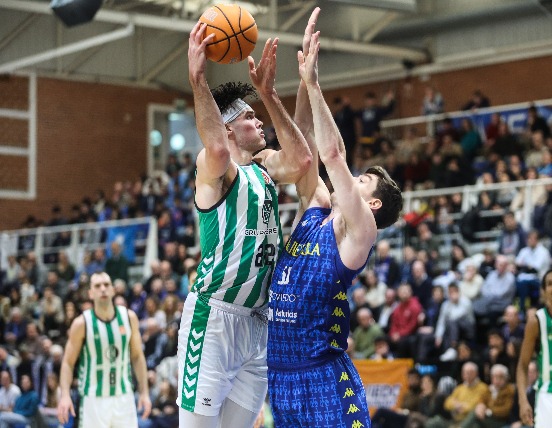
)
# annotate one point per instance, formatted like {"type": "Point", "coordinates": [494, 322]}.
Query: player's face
{"type": "Point", "coordinates": [367, 184]}
{"type": "Point", "coordinates": [547, 291]}
{"type": "Point", "coordinates": [247, 131]}
{"type": "Point", "coordinates": [101, 289]}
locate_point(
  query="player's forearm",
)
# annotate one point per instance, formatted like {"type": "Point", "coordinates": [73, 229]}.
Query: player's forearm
{"type": "Point", "coordinates": [328, 139]}
{"type": "Point", "coordinates": [294, 147]}
{"type": "Point", "coordinates": [65, 379]}
{"type": "Point", "coordinates": [141, 372]}
{"type": "Point", "coordinates": [303, 112]}
{"type": "Point", "coordinates": [521, 381]}
{"type": "Point", "coordinates": [209, 122]}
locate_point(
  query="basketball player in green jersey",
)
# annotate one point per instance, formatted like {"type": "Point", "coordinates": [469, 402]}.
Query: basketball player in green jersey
{"type": "Point", "coordinates": [106, 340]}
{"type": "Point", "coordinates": [222, 371]}
{"type": "Point", "coordinates": [538, 335]}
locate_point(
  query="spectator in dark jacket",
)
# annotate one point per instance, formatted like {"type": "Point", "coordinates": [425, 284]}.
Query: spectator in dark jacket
{"type": "Point", "coordinates": [26, 406]}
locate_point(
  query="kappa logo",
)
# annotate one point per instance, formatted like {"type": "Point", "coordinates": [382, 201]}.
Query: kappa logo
{"type": "Point", "coordinates": [206, 402]}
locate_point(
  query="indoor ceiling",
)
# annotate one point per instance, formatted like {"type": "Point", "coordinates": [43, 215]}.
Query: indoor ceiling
{"type": "Point", "coordinates": [144, 42]}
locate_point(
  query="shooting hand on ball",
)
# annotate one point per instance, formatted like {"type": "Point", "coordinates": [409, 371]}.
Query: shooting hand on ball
{"type": "Point", "coordinates": [196, 52]}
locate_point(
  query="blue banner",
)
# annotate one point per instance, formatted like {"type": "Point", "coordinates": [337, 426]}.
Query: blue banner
{"type": "Point", "coordinates": [125, 236]}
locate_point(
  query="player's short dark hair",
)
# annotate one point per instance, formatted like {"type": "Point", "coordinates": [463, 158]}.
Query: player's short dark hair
{"type": "Point", "coordinates": [388, 192]}
{"type": "Point", "coordinates": [227, 93]}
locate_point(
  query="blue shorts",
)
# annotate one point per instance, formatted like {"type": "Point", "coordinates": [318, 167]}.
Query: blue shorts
{"type": "Point", "coordinates": [327, 396]}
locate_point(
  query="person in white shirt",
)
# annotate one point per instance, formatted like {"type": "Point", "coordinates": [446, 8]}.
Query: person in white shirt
{"type": "Point", "coordinates": [456, 321]}
{"type": "Point", "coordinates": [8, 392]}
{"type": "Point", "coordinates": [532, 262]}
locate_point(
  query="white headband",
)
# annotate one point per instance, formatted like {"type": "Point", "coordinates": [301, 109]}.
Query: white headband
{"type": "Point", "coordinates": [234, 110]}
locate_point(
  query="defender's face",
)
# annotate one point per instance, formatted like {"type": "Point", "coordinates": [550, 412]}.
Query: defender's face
{"type": "Point", "coordinates": [247, 131]}
{"type": "Point", "coordinates": [367, 184]}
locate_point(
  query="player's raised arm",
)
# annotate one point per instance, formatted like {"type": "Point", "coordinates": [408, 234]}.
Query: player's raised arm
{"type": "Point", "coordinates": [310, 189]}
{"type": "Point", "coordinates": [212, 162]}
{"type": "Point", "coordinates": [358, 221]}
{"type": "Point", "coordinates": [290, 163]}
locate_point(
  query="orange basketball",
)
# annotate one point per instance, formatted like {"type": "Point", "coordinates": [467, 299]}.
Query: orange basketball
{"type": "Point", "coordinates": [235, 33]}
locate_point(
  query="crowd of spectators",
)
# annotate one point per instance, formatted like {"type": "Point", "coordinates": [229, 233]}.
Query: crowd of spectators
{"type": "Point", "coordinates": [464, 323]}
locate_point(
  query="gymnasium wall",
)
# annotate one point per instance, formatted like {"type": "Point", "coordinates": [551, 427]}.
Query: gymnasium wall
{"type": "Point", "coordinates": [90, 135]}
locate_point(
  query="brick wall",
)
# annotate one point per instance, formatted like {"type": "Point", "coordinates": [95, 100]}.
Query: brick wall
{"type": "Point", "coordinates": [90, 135]}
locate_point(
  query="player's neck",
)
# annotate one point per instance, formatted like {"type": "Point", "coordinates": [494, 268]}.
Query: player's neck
{"type": "Point", "coordinates": [240, 156]}
{"type": "Point", "coordinates": [105, 312]}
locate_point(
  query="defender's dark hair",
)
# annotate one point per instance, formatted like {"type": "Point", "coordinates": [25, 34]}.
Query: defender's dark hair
{"type": "Point", "coordinates": [227, 93]}
{"type": "Point", "coordinates": [388, 192]}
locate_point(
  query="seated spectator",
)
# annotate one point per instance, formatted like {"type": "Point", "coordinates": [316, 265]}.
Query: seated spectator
{"type": "Point", "coordinates": [404, 322]}
{"type": "Point", "coordinates": [421, 283]}
{"type": "Point", "coordinates": [456, 321]}
{"type": "Point", "coordinates": [470, 140]}
{"type": "Point", "coordinates": [532, 262]}
{"type": "Point", "coordinates": [365, 334]}
{"type": "Point", "coordinates": [53, 394]}
{"type": "Point", "coordinates": [535, 122]}
{"type": "Point", "coordinates": [25, 407]}
{"type": "Point", "coordinates": [154, 340]}
{"type": "Point", "coordinates": [512, 330]}
{"type": "Point", "coordinates": [382, 350]}
{"type": "Point", "coordinates": [497, 293]}
{"type": "Point", "coordinates": [9, 391]}
{"type": "Point", "coordinates": [496, 353]}
{"type": "Point", "coordinates": [488, 263]}
{"type": "Point", "coordinates": [464, 397]}
{"type": "Point", "coordinates": [410, 402]}
{"type": "Point", "coordinates": [64, 268]}
{"type": "Point", "coordinates": [375, 290]}
{"type": "Point", "coordinates": [356, 303]}
{"type": "Point", "coordinates": [117, 265]}
{"type": "Point", "coordinates": [477, 100]}
{"type": "Point", "coordinates": [385, 310]}
{"type": "Point", "coordinates": [471, 283]}
{"type": "Point", "coordinates": [51, 308]}
{"type": "Point", "coordinates": [386, 267]}
{"type": "Point", "coordinates": [495, 406]}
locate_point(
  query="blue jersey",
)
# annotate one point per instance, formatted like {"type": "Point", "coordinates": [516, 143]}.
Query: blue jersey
{"type": "Point", "coordinates": [308, 308]}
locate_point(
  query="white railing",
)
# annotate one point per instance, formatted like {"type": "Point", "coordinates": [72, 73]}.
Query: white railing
{"type": "Point", "coordinates": [82, 237]}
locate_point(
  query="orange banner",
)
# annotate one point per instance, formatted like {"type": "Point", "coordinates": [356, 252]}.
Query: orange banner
{"type": "Point", "coordinates": [385, 381]}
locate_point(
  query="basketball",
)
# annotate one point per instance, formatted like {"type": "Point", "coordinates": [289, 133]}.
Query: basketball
{"type": "Point", "coordinates": [235, 33]}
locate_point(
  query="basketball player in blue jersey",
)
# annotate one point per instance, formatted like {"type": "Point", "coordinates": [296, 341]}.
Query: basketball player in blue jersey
{"type": "Point", "coordinates": [222, 370]}
{"type": "Point", "coordinates": [312, 381]}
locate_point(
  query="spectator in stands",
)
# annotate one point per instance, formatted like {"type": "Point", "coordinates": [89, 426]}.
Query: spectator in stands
{"type": "Point", "coordinates": [477, 100]}
{"type": "Point", "coordinates": [386, 267]}
{"type": "Point", "coordinates": [153, 310]}
{"type": "Point", "coordinates": [471, 283]}
{"type": "Point", "coordinates": [375, 290]}
{"type": "Point", "coordinates": [433, 102]}
{"type": "Point", "coordinates": [382, 351]}
{"type": "Point", "coordinates": [64, 268]}
{"type": "Point", "coordinates": [98, 261]}
{"type": "Point", "coordinates": [497, 293]}
{"type": "Point", "coordinates": [513, 237]}
{"type": "Point", "coordinates": [365, 334]}
{"type": "Point", "coordinates": [410, 402]}
{"type": "Point", "coordinates": [495, 406]}
{"type": "Point", "coordinates": [496, 353]}
{"type": "Point", "coordinates": [25, 407]}
{"type": "Point", "coordinates": [530, 392]}
{"type": "Point", "coordinates": [52, 314]}
{"type": "Point", "coordinates": [386, 310]}
{"type": "Point", "coordinates": [8, 361]}
{"type": "Point", "coordinates": [357, 302]}
{"type": "Point", "coordinates": [345, 118]}
{"type": "Point", "coordinates": [456, 321]}
{"type": "Point", "coordinates": [154, 339]}
{"type": "Point", "coordinates": [9, 391]}
{"type": "Point", "coordinates": [421, 283]}
{"type": "Point", "coordinates": [536, 122]}
{"type": "Point", "coordinates": [464, 397]}
{"type": "Point", "coordinates": [538, 199]}
{"type": "Point", "coordinates": [533, 157]}
{"type": "Point", "coordinates": [12, 270]}
{"type": "Point", "coordinates": [532, 262]}
{"type": "Point", "coordinates": [506, 195]}
{"type": "Point", "coordinates": [117, 265]}
{"type": "Point", "coordinates": [372, 114]}
{"type": "Point", "coordinates": [137, 299]}
{"type": "Point", "coordinates": [59, 286]}
{"type": "Point", "coordinates": [404, 322]}
{"type": "Point", "coordinates": [408, 258]}
{"type": "Point", "coordinates": [470, 140]}
{"type": "Point", "coordinates": [15, 330]}
{"type": "Point", "coordinates": [488, 263]}
{"type": "Point", "coordinates": [427, 241]}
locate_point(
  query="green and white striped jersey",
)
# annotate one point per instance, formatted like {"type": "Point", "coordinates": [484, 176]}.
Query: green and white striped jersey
{"type": "Point", "coordinates": [240, 239]}
{"type": "Point", "coordinates": [104, 367]}
{"type": "Point", "coordinates": [544, 360]}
